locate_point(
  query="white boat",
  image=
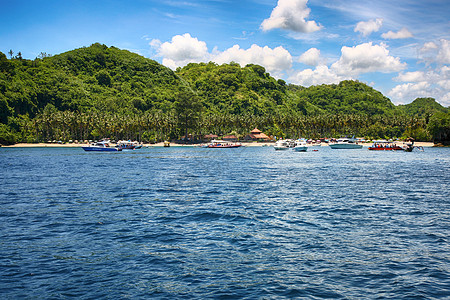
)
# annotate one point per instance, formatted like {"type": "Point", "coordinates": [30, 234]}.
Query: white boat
{"type": "Point", "coordinates": [281, 145]}
{"type": "Point", "coordinates": [301, 146]}
{"type": "Point", "coordinates": [101, 146]}
{"type": "Point", "coordinates": [346, 143]}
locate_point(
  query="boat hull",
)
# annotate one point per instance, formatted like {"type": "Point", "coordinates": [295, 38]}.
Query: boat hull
{"type": "Point", "coordinates": [386, 148]}
{"type": "Point", "coordinates": [301, 148]}
{"type": "Point", "coordinates": [224, 146]}
{"type": "Point", "coordinates": [345, 146]}
{"type": "Point", "coordinates": [281, 148]}
{"type": "Point", "coordinates": [98, 149]}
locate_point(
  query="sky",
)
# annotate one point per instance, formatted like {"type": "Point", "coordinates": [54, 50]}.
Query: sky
{"type": "Point", "coordinates": [401, 48]}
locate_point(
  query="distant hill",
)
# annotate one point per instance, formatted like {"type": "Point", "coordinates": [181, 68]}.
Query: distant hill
{"type": "Point", "coordinates": [422, 107]}
{"type": "Point", "coordinates": [109, 79]}
{"type": "Point", "coordinates": [347, 97]}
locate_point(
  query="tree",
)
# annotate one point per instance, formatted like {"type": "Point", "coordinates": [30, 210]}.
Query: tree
{"type": "Point", "coordinates": [188, 110]}
{"type": "Point", "coordinates": [439, 128]}
{"type": "Point", "coordinates": [10, 52]}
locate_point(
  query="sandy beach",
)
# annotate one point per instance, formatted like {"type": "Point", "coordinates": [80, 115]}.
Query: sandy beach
{"type": "Point", "coordinates": [43, 145]}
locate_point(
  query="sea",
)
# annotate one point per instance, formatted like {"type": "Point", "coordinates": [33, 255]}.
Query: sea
{"type": "Point", "coordinates": [244, 223]}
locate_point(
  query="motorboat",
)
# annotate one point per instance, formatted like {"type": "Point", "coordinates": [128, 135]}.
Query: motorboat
{"type": "Point", "coordinates": [282, 145]}
{"type": "Point", "coordinates": [301, 146]}
{"type": "Point", "coordinates": [383, 145]}
{"type": "Point", "coordinates": [101, 146]}
{"type": "Point", "coordinates": [126, 145]}
{"type": "Point", "coordinates": [346, 143]}
{"type": "Point", "coordinates": [223, 144]}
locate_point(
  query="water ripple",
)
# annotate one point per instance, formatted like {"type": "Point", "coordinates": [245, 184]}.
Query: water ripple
{"type": "Point", "coordinates": [239, 224]}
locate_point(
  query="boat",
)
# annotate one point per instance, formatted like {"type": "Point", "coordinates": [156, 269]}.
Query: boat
{"type": "Point", "coordinates": [385, 145]}
{"type": "Point", "coordinates": [223, 144]}
{"type": "Point", "coordinates": [166, 144]}
{"type": "Point", "coordinates": [126, 145]}
{"type": "Point", "coordinates": [101, 146]}
{"type": "Point", "coordinates": [282, 145]}
{"type": "Point", "coordinates": [301, 146]}
{"type": "Point", "coordinates": [346, 143]}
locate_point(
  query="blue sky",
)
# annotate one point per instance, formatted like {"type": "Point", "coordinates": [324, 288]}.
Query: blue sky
{"type": "Point", "coordinates": [401, 48]}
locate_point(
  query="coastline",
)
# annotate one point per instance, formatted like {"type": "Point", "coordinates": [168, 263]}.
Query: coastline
{"type": "Point", "coordinates": [55, 145]}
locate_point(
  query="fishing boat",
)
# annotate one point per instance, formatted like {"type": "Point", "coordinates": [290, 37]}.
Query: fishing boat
{"type": "Point", "coordinates": [101, 146]}
{"type": "Point", "coordinates": [346, 143]}
{"type": "Point", "coordinates": [301, 146]}
{"type": "Point", "coordinates": [282, 145]}
{"type": "Point", "coordinates": [223, 144]}
{"type": "Point", "coordinates": [385, 146]}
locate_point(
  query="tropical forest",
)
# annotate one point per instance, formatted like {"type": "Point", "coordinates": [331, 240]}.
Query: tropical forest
{"type": "Point", "coordinates": [99, 91]}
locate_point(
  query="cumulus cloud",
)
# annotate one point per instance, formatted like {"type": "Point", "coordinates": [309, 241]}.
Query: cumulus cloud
{"type": "Point", "coordinates": [365, 58]}
{"type": "Point", "coordinates": [429, 46]}
{"type": "Point", "coordinates": [184, 49]}
{"type": "Point", "coordinates": [411, 76]}
{"type": "Point", "coordinates": [438, 53]}
{"type": "Point", "coordinates": [402, 34]}
{"type": "Point", "coordinates": [366, 28]}
{"type": "Point", "coordinates": [274, 60]}
{"type": "Point", "coordinates": [311, 57]}
{"type": "Point", "coordinates": [291, 15]}
{"type": "Point", "coordinates": [407, 92]}
{"type": "Point", "coordinates": [433, 83]}
{"type": "Point", "coordinates": [320, 75]}
{"type": "Point", "coordinates": [444, 52]}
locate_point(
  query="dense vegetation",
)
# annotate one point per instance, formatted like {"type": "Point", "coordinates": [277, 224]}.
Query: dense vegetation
{"type": "Point", "coordinates": [101, 91]}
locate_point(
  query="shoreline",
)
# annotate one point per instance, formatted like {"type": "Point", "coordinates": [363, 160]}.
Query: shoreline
{"type": "Point", "coordinates": [52, 145]}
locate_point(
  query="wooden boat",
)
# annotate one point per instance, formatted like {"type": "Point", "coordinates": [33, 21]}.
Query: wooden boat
{"type": "Point", "coordinates": [223, 144]}
{"type": "Point", "coordinates": [385, 146]}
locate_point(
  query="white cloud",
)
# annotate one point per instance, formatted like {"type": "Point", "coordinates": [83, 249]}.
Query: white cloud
{"type": "Point", "coordinates": [184, 49]}
{"type": "Point", "coordinates": [438, 53]}
{"type": "Point", "coordinates": [368, 27]}
{"type": "Point", "coordinates": [274, 60]}
{"type": "Point", "coordinates": [402, 34]}
{"type": "Point", "coordinates": [407, 92]}
{"type": "Point", "coordinates": [291, 15]}
{"type": "Point", "coordinates": [366, 58]}
{"type": "Point", "coordinates": [434, 83]}
{"type": "Point", "coordinates": [311, 57]}
{"type": "Point", "coordinates": [411, 76]}
{"type": "Point", "coordinates": [320, 75]}
{"type": "Point", "coordinates": [443, 56]}
{"type": "Point", "coordinates": [428, 47]}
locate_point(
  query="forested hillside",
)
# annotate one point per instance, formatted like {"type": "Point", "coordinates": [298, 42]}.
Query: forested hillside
{"type": "Point", "coordinates": [101, 91]}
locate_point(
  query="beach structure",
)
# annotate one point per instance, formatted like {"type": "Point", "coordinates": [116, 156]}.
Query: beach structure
{"type": "Point", "coordinates": [230, 138]}
{"type": "Point", "coordinates": [257, 135]}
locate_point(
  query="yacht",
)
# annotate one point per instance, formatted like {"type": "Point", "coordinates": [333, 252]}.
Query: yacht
{"type": "Point", "coordinates": [346, 143]}
{"type": "Point", "coordinates": [281, 145]}
{"type": "Point", "coordinates": [300, 146]}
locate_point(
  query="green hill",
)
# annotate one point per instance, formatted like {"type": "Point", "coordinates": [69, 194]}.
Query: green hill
{"type": "Point", "coordinates": [74, 95]}
{"type": "Point", "coordinates": [422, 107]}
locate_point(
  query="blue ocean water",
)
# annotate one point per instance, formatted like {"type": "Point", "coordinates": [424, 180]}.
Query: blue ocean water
{"type": "Point", "coordinates": [246, 223]}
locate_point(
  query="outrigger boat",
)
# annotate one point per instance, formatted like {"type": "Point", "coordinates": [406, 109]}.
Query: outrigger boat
{"type": "Point", "coordinates": [223, 144]}
{"type": "Point", "coordinates": [385, 145]}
